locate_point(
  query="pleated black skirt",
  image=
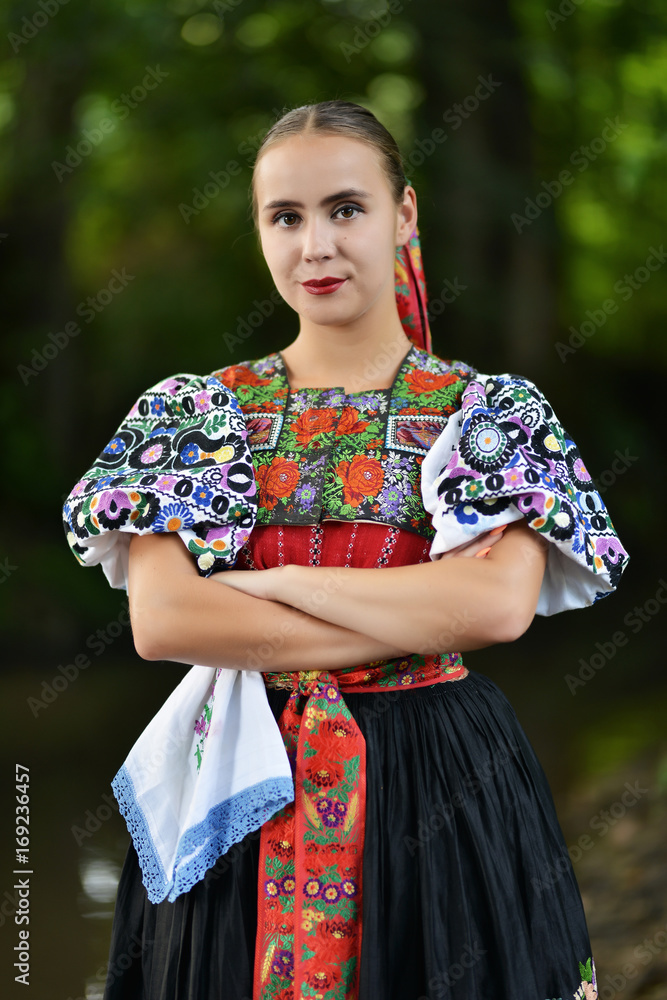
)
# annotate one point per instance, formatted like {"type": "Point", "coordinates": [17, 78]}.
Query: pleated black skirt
{"type": "Point", "coordinates": [468, 894]}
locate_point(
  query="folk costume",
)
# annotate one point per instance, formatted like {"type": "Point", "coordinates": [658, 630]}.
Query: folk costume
{"type": "Point", "coordinates": [382, 832]}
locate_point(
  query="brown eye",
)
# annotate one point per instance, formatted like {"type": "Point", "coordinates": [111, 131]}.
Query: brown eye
{"type": "Point", "coordinates": [348, 211]}
{"type": "Point", "coordinates": [289, 218]}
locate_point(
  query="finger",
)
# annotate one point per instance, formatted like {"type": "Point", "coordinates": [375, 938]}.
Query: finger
{"type": "Point", "coordinates": [481, 542]}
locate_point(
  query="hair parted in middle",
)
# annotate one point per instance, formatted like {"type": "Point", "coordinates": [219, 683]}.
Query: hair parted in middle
{"type": "Point", "coordinates": [342, 118]}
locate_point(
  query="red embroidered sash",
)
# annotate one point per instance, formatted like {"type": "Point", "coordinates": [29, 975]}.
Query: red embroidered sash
{"type": "Point", "coordinates": [310, 869]}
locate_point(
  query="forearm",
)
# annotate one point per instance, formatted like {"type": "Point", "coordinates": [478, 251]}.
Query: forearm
{"type": "Point", "coordinates": [450, 605]}
{"type": "Point", "coordinates": [178, 615]}
{"type": "Point", "coordinates": [438, 616]}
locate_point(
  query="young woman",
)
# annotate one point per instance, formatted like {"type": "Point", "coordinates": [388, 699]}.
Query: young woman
{"type": "Point", "coordinates": [384, 510]}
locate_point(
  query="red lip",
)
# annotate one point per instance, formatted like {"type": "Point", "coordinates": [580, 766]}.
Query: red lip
{"type": "Point", "coordinates": [318, 282]}
{"type": "Point", "coordinates": [323, 286]}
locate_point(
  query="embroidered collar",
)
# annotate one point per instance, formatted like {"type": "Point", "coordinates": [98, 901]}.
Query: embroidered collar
{"type": "Point", "coordinates": [325, 453]}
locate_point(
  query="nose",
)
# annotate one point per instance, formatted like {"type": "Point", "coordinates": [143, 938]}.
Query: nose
{"type": "Point", "coordinates": [318, 242]}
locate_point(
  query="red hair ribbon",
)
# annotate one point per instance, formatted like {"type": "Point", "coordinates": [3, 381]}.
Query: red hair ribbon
{"type": "Point", "coordinates": [410, 288]}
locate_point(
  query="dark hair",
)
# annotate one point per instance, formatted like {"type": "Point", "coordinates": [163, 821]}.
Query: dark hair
{"type": "Point", "coordinates": [338, 118]}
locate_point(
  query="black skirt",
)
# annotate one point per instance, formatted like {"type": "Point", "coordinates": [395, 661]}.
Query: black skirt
{"type": "Point", "coordinates": [469, 893]}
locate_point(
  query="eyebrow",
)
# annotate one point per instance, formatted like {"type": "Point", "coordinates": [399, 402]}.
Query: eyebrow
{"type": "Point", "coordinates": [339, 196]}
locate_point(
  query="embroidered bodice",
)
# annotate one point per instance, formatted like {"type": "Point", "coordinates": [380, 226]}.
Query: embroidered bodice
{"type": "Point", "coordinates": [324, 453]}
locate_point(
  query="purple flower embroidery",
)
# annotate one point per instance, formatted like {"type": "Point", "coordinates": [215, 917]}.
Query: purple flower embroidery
{"type": "Point", "coordinates": [151, 454]}
{"type": "Point", "coordinates": [203, 401]}
{"type": "Point", "coordinates": [391, 498]}
{"type": "Point", "coordinates": [331, 893]}
{"type": "Point", "coordinates": [581, 472]}
{"type": "Point", "coordinates": [306, 495]}
{"type": "Point", "coordinates": [331, 812]}
{"type": "Point", "coordinates": [165, 482]}
{"type": "Point", "coordinates": [283, 964]}
{"type": "Point", "coordinates": [112, 502]}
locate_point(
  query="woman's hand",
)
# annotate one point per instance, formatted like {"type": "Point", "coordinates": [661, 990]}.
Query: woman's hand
{"type": "Point", "coordinates": [266, 583]}
{"type": "Point", "coordinates": [263, 583]}
{"type": "Point", "coordinates": [450, 605]}
{"type": "Point", "coordinates": [479, 546]}
{"type": "Point", "coordinates": [178, 615]}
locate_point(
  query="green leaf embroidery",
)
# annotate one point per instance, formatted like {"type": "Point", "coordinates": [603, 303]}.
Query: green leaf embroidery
{"type": "Point", "coordinates": [586, 971]}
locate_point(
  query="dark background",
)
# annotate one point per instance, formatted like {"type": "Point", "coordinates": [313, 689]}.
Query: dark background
{"type": "Point", "coordinates": [92, 183]}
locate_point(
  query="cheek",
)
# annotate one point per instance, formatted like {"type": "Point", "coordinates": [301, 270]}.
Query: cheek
{"type": "Point", "coordinates": [276, 255]}
{"type": "Point", "coordinates": [376, 255]}
{"type": "Point", "coordinates": [377, 244]}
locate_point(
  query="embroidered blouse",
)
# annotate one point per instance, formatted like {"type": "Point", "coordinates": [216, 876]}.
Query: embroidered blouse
{"type": "Point", "coordinates": [445, 452]}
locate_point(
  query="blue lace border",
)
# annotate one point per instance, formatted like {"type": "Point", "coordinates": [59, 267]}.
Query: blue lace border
{"type": "Point", "coordinates": [200, 846]}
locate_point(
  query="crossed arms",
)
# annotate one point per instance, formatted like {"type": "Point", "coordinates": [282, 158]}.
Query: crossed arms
{"type": "Point", "coordinates": [318, 618]}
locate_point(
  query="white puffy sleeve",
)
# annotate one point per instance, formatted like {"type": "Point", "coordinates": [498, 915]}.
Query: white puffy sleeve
{"type": "Point", "coordinates": [504, 456]}
{"type": "Point", "coordinates": [178, 462]}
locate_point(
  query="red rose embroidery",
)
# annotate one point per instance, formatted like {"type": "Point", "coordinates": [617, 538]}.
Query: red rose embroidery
{"type": "Point", "coordinates": [240, 375]}
{"type": "Point", "coordinates": [350, 423]}
{"type": "Point", "coordinates": [334, 740]}
{"type": "Point", "coordinates": [329, 935]}
{"type": "Point", "coordinates": [276, 480]}
{"type": "Point", "coordinates": [362, 477]}
{"type": "Point", "coordinates": [311, 423]}
{"type": "Point", "coordinates": [420, 381]}
{"type": "Point", "coordinates": [324, 772]}
{"type": "Point", "coordinates": [322, 980]}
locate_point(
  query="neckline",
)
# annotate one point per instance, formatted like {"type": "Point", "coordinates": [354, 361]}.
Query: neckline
{"type": "Point", "coordinates": [280, 367]}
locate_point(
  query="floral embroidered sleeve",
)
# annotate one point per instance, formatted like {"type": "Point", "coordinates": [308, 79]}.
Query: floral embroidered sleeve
{"type": "Point", "coordinates": [506, 456]}
{"type": "Point", "coordinates": [178, 462]}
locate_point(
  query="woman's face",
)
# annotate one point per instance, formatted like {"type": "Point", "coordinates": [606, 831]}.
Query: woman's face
{"type": "Point", "coordinates": [326, 211]}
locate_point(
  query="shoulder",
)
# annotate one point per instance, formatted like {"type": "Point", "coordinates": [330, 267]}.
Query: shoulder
{"type": "Point", "coordinates": [428, 362]}
{"type": "Point", "coordinates": [173, 384]}
{"type": "Point", "coordinates": [258, 371]}
{"type": "Point", "coordinates": [501, 420]}
{"type": "Point", "coordinates": [507, 396]}
{"type": "Point", "coordinates": [430, 384]}
{"type": "Point", "coordinates": [182, 396]}
{"type": "Point", "coordinates": [502, 385]}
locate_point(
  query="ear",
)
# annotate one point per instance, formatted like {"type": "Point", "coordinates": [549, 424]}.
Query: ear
{"type": "Point", "coordinates": [407, 216]}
